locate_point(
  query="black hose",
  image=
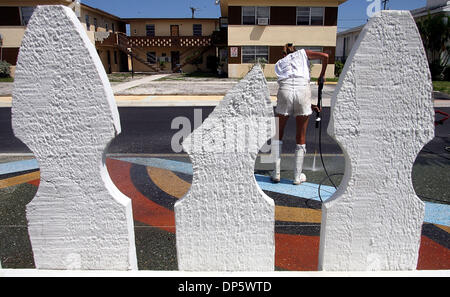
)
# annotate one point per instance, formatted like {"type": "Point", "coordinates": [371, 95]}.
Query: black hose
{"type": "Point", "coordinates": [319, 126]}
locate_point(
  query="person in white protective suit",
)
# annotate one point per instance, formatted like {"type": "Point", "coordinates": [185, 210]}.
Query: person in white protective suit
{"type": "Point", "coordinates": [294, 99]}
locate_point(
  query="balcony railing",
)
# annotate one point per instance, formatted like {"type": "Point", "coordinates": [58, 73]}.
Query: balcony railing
{"type": "Point", "coordinates": [169, 41]}
{"type": "Point", "coordinates": [111, 39]}
{"type": "Point", "coordinates": [105, 38]}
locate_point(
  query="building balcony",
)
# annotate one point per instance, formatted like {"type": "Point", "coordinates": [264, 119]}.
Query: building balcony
{"type": "Point", "coordinates": [103, 39]}
{"type": "Point", "coordinates": [106, 38]}
{"type": "Point", "coordinates": [12, 35]}
{"type": "Point", "coordinates": [169, 41]}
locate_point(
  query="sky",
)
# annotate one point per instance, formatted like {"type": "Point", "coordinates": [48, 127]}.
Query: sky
{"type": "Point", "coordinates": [351, 14]}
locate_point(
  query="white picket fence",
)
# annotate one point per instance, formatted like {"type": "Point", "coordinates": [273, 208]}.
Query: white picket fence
{"type": "Point", "coordinates": [64, 110]}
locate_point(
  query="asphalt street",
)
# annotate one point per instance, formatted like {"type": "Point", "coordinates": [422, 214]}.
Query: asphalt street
{"type": "Point", "coordinates": [147, 131]}
{"type": "Point", "coordinates": [147, 135]}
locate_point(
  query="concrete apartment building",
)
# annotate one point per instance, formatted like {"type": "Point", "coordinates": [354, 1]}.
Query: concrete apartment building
{"type": "Point", "coordinates": [99, 25]}
{"type": "Point", "coordinates": [172, 44]}
{"type": "Point", "coordinates": [258, 29]}
{"type": "Point", "coordinates": [248, 30]}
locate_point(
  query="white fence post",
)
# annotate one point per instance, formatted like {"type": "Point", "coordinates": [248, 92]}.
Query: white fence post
{"type": "Point", "coordinates": [382, 116]}
{"type": "Point", "coordinates": [225, 222]}
{"type": "Point", "coordinates": [64, 110]}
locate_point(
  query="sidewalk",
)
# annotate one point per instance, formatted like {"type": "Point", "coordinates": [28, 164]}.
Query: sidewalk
{"type": "Point", "coordinates": [134, 83]}
{"type": "Point", "coordinates": [149, 92]}
{"type": "Point", "coordinates": [188, 100]}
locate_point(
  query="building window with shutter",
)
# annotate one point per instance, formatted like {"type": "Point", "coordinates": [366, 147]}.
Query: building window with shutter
{"type": "Point", "coordinates": [310, 16]}
{"type": "Point", "coordinates": [251, 15]}
{"type": "Point", "coordinates": [88, 24]}
{"type": "Point", "coordinates": [313, 49]}
{"type": "Point", "coordinates": [150, 29]}
{"type": "Point", "coordinates": [253, 54]}
{"type": "Point", "coordinates": [197, 30]}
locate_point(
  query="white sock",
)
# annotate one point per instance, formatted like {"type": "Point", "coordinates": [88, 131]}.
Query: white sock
{"type": "Point", "coordinates": [300, 152]}
{"type": "Point", "coordinates": [276, 151]}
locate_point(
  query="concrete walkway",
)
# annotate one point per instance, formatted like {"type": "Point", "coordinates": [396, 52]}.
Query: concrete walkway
{"type": "Point", "coordinates": [134, 83]}
{"type": "Point", "coordinates": [147, 92]}
{"type": "Point", "coordinates": [202, 87]}
{"type": "Point", "coordinates": [187, 100]}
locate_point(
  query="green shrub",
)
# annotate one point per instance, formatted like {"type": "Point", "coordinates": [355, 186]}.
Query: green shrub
{"type": "Point", "coordinates": [339, 66]}
{"type": "Point", "coordinates": [447, 73]}
{"type": "Point", "coordinates": [436, 70]}
{"type": "Point", "coordinates": [5, 70]}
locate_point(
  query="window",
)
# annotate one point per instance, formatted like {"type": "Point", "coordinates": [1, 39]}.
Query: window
{"type": "Point", "coordinates": [150, 30]}
{"type": "Point", "coordinates": [313, 49]}
{"type": "Point", "coordinates": [95, 24]}
{"type": "Point", "coordinates": [106, 27]}
{"type": "Point", "coordinates": [26, 13]}
{"type": "Point", "coordinates": [164, 58]}
{"type": "Point", "coordinates": [303, 15]}
{"type": "Point", "coordinates": [310, 16]}
{"type": "Point", "coordinates": [151, 57]}
{"type": "Point", "coordinates": [88, 24]}
{"type": "Point", "coordinates": [252, 54]}
{"type": "Point", "coordinates": [223, 22]}
{"type": "Point", "coordinates": [113, 26]}
{"type": "Point", "coordinates": [317, 14]}
{"type": "Point", "coordinates": [197, 30]}
{"type": "Point", "coordinates": [251, 14]}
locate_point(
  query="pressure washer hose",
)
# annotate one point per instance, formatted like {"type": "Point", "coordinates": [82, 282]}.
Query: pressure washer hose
{"type": "Point", "coordinates": [319, 126]}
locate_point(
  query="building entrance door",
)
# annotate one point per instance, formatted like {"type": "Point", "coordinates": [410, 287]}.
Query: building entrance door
{"type": "Point", "coordinates": [174, 30]}
{"type": "Point", "coordinates": [175, 58]}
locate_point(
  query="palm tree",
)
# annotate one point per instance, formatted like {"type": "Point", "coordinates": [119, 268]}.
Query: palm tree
{"type": "Point", "coordinates": [435, 32]}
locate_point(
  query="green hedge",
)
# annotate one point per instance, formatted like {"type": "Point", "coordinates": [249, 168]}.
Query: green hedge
{"type": "Point", "coordinates": [5, 70]}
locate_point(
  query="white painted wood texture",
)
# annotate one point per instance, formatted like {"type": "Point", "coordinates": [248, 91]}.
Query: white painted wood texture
{"type": "Point", "coordinates": [64, 111]}
{"type": "Point", "coordinates": [381, 115]}
{"type": "Point", "coordinates": [226, 222]}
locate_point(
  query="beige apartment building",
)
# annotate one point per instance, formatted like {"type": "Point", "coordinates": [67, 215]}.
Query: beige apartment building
{"type": "Point", "coordinates": [100, 27]}
{"type": "Point", "coordinates": [176, 44]}
{"type": "Point", "coordinates": [249, 30]}
{"type": "Point", "coordinates": [258, 29]}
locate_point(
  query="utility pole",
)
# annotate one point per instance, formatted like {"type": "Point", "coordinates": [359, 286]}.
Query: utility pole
{"type": "Point", "coordinates": [193, 9]}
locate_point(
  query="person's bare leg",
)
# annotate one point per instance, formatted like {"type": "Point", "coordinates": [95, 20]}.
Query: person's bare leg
{"type": "Point", "coordinates": [277, 144]}
{"type": "Point", "coordinates": [300, 150]}
{"type": "Point", "coordinates": [281, 123]}
{"type": "Point", "coordinates": [302, 125]}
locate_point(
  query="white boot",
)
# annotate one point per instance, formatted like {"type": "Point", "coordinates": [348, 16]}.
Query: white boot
{"type": "Point", "coordinates": [299, 177]}
{"type": "Point", "coordinates": [276, 151]}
